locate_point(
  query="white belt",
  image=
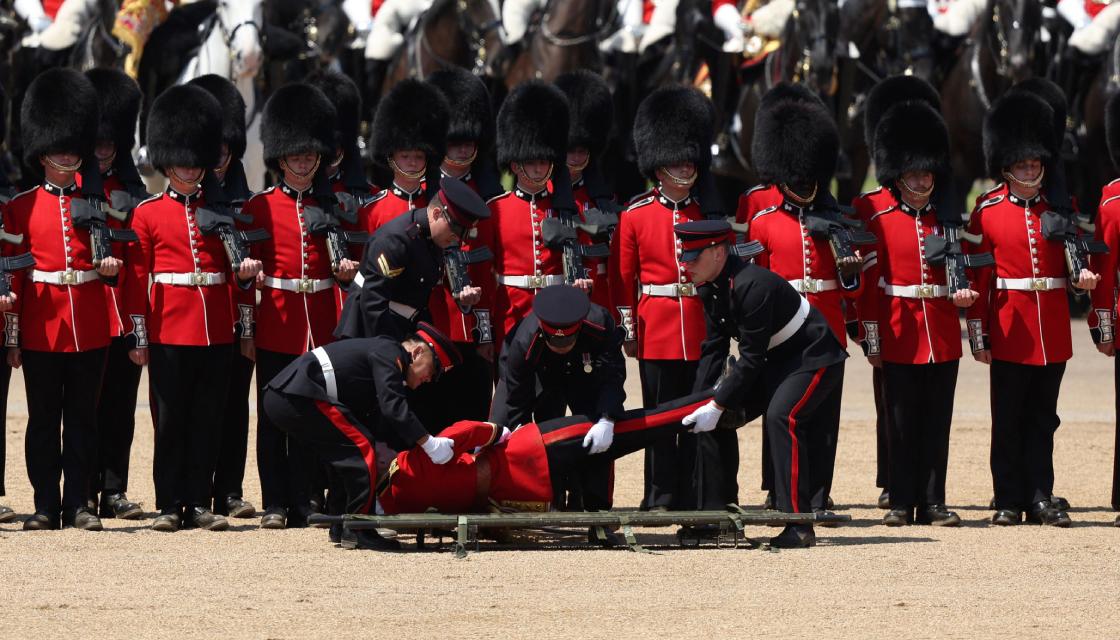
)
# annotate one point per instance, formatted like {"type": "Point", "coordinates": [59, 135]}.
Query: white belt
{"type": "Point", "coordinates": [299, 285]}
{"type": "Point", "coordinates": [63, 278]}
{"type": "Point", "coordinates": [193, 279]}
{"type": "Point", "coordinates": [915, 290]}
{"type": "Point", "coordinates": [1030, 284]}
{"type": "Point", "coordinates": [403, 310]}
{"type": "Point", "coordinates": [686, 290]}
{"type": "Point", "coordinates": [786, 332]}
{"type": "Point", "coordinates": [530, 282]}
{"type": "Point", "coordinates": [328, 373]}
{"type": "Point", "coordinates": [359, 280]}
{"type": "Point", "coordinates": [813, 285]}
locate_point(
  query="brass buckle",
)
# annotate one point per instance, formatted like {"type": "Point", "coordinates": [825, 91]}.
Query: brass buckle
{"type": "Point", "coordinates": [198, 279]}
{"type": "Point", "coordinates": [810, 285]}
{"type": "Point", "coordinates": [536, 282]}
{"type": "Point", "coordinates": [304, 285]}
{"type": "Point", "coordinates": [687, 289]}
{"type": "Point", "coordinates": [1039, 284]}
{"type": "Point", "coordinates": [925, 291]}
{"type": "Point", "coordinates": [68, 277]}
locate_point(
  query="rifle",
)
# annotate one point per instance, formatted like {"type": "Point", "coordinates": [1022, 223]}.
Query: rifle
{"type": "Point", "coordinates": [12, 263]}
{"type": "Point", "coordinates": [235, 241]}
{"type": "Point", "coordinates": [948, 249]}
{"type": "Point", "coordinates": [561, 231]}
{"type": "Point", "coordinates": [323, 223]}
{"type": "Point", "coordinates": [92, 213]}
{"type": "Point", "coordinates": [457, 260]}
{"type": "Point", "coordinates": [844, 235]}
{"type": "Point", "coordinates": [1063, 225]}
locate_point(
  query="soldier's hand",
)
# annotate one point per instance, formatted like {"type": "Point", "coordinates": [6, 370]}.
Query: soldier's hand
{"type": "Point", "coordinates": [705, 418]}
{"type": "Point", "coordinates": [583, 283]}
{"type": "Point", "coordinates": [249, 269]}
{"type": "Point", "coordinates": [7, 302]}
{"type": "Point", "coordinates": [1107, 348]}
{"type": "Point", "coordinates": [109, 267]}
{"type": "Point", "coordinates": [630, 348]}
{"type": "Point", "coordinates": [347, 269]}
{"type": "Point", "coordinates": [984, 356]}
{"type": "Point", "coordinates": [249, 349]}
{"type": "Point", "coordinates": [440, 450]}
{"type": "Point", "coordinates": [486, 351]}
{"type": "Point", "coordinates": [139, 357]}
{"type": "Point", "coordinates": [599, 437]}
{"type": "Point", "coordinates": [965, 298]}
{"type": "Point", "coordinates": [875, 361]}
{"type": "Point", "coordinates": [469, 296]}
{"type": "Point", "coordinates": [1087, 280]}
{"type": "Point", "coordinates": [14, 358]}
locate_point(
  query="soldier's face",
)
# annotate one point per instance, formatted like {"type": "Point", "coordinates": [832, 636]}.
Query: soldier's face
{"type": "Point", "coordinates": [462, 152]}
{"type": "Point", "coordinates": [185, 179]}
{"type": "Point", "coordinates": [64, 162]}
{"type": "Point", "coordinates": [423, 366]}
{"type": "Point", "coordinates": [577, 160]}
{"type": "Point", "coordinates": [411, 161]}
{"type": "Point", "coordinates": [535, 171]}
{"type": "Point", "coordinates": [1027, 170]}
{"type": "Point", "coordinates": [223, 162]}
{"type": "Point", "coordinates": [916, 186]}
{"type": "Point", "coordinates": [708, 264]}
{"type": "Point", "coordinates": [105, 152]}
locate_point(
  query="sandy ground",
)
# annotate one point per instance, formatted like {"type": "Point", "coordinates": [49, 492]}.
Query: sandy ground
{"type": "Point", "coordinates": [863, 580]}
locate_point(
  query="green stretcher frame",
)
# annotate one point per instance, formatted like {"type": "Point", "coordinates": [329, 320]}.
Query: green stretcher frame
{"type": "Point", "coordinates": [466, 526]}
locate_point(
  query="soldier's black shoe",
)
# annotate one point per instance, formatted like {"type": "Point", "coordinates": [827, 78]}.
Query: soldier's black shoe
{"type": "Point", "coordinates": [1117, 522]}
{"type": "Point", "coordinates": [168, 521]}
{"type": "Point", "coordinates": [367, 539]}
{"type": "Point", "coordinates": [826, 513]}
{"type": "Point", "coordinates": [239, 508]}
{"type": "Point", "coordinates": [41, 522]}
{"type": "Point", "coordinates": [83, 519]}
{"type": "Point", "coordinates": [206, 519]}
{"type": "Point", "coordinates": [1059, 503]}
{"type": "Point", "coordinates": [897, 518]}
{"type": "Point", "coordinates": [276, 518]}
{"type": "Point", "coordinates": [1043, 512]}
{"type": "Point", "coordinates": [335, 533]}
{"type": "Point", "coordinates": [768, 503]}
{"type": "Point", "coordinates": [885, 500]}
{"type": "Point", "coordinates": [297, 518]}
{"type": "Point", "coordinates": [794, 536]}
{"type": "Point", "coordinates": [117, 505]}
{"type": "Point", "coordinates": [6, 514]}
{"type": "Point", "coordinates": [1006, 518]}
{"type": "Point", "coordinates": [938, 516]}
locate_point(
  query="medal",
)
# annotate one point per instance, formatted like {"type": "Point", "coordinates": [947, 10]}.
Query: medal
{"type": "Point", "coordinates": [587, 368]}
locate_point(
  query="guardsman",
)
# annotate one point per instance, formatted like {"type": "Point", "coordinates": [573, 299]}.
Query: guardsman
{"type": "Point", "coordinates": [58, 328]}
{"type": "Point", "coordinates": [409, 135]}
{"type": "Point", "coordinates": [119, 102]}
{"type": "Point", "coordinates": [7, 191]}
{"type": "Point", "coordinates": [907, 311]}
{"type": "Point", "coordinates": [297, 310]}
{"type": "Point", "coordinates": [180, 308]}
{"type": "Point", "coordinates": [789, 365]}
{"type": "Point", "coordinates": [229, 472]}
{"type": "Point", "coordinates": [403, 263]}
{"type": "Point", "coordinates": [589, 130]}
{"type": "Point", "coordinates": [1020, 322]}
{"type": "Point", "coordinates": [532, 145]}
{"type": "Point", "coordinates": [566, 354]}
{"type": "Point", "coordinates": [339, 399]}
{"type": "Point", "coordinates": [1104, 296]}
{"type": "Point", "coordinates": [654, 299]}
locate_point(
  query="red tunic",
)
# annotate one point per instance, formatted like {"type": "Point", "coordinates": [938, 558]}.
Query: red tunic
{"type": "Point", "coordinates": [1102, 321]}
{"type": "Point", "coordinates": [792, 253]}
{"type": "Point", "coordinates": [519, 250]}
{"type": "Point", "coordinates": [1025, 327]}
{"type": "Point", "coordinates": [909, 330]}
{"type": "Point", "coordinates": [389, 204]}
{"type": "Point", "coordinates": [171, 243]}
{"type": "Point", "coordinates": [596, 267]}
{"type": "Point", "coordinates": [644, 251]}
{"type": "Point", "coordinates": [291, 322]}
{"type": "Point", "coordinates": [48, 316]}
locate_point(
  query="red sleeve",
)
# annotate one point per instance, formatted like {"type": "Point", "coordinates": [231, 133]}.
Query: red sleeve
{"type": "Point", "coordinates": [1102, 320]}
{"type": "Point", "coordinates": [16, 278]}
{"type": "Point", "coordinates": [482, 276]}
{"type": "Point", "coordinates": [978, 314]}
{"type": "Point", "coordinates": [138, 261]}
{"type": "Point", "coordinates": [757, 231]}
{"type": "Point", "coordinates": [470, 434]}
{"type": "Point", "coordinates": [624, 272]}
{"type": "Point", "coordinates": [867, 302]}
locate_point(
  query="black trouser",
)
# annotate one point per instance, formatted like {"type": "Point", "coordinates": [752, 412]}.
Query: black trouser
{"type": "Point", "coordinates": [882, 428]}
{"type": "Point", "coordinates": [1116, 445]}
{"type": "Point", "coordinates": [335, 435]}
{"type": "Point", "coordinates": [824, 457]}
{"type": "Point", "coordinates": [61, 391]}
{"type": "Point", "coordinates": [800, 409]}
{"type": "Point", "coordinates": [692, 471]}
{"type": "Point", "coordinates": [285, 468]}
{"type": "Point", "coordinates": [463, 393]}
{"type": "Point", "coordinates": [116, 420]}
{"type": "Point", "coordinates": [920, 400]}
{"type": "Point", "coordinates": [5, 379]}
{"type": "Point", "coordinates": [233, 441]}
{"type": "Point", "coordinates": [188, 390]}
{"type": "Point", "coordinates": [1024, 419]}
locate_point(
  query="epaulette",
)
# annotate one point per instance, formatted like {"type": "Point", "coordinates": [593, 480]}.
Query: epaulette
{"type": "Point", "coordinates": [155, 197]}
{"type": "Point", "coordinates": [989, 202]}
{"type": "Point", "coordinates": [593, 330]}
{"type": "Point", "coordinates": [639, 196]}
{"type": "Point", "coordinates": [1114, 182]}
{"type": "Point", "coordinates": [893, 207]}
{"type": "Point", "coordinates": [987, 193]}
{"type": "Point", "coordinates": [1116, 197]}
{"type": "Point", "coordinates": [757, 187]}
{"type": "Point", "coordinates": [23, 193]}
{"type": "Point", "coordinates": [261, 193]}
{"type": "Point", "coordinates": [377, 196]}
{"type": "Point", "coordinates": [762, 212]}
{"type": "Point", "coordinates": [867, 194]}
{"type": "Point", "coordinates": [634, 204]}
{"type": "Point", "coordinates": [499, 197]}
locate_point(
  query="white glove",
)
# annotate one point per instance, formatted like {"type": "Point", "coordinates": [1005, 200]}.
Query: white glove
{"type": "Point", "coordinates": [705, 418]}
{"type": "Point", "coordinates": [599, 437]}
{"type": "Point", "coordinates": [506, 433]}
{"type": "Point", "coordinates": [440, 450]}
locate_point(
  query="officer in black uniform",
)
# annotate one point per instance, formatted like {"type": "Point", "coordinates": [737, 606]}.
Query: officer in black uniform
{"type": "Point", "coordinates": [404, 262]}
{"type": "Point", "coordinates": [340, 398]}
{"type": "Point", "coordinates": [566, 353]}
{"type": "Point", "coordinates": [789, 366]}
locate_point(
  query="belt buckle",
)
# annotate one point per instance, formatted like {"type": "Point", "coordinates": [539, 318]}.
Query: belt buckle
{"type": "Point", "coordinates": [304, 285]}
{"type": "Point", "coordinates": [811, 285]}
{"type": "Point", "coordinates": [686, 289]}
{"type": "Point", "coordinates": [68, 277]}
{"type": "Point", "coordinates": [925, 291]}
{"type": "Point", "coordinates": [198, 279]}
{"type": "Point", "coordinates": [536, 282]}
{"type": "Point", "coordinates": [1039, 284]}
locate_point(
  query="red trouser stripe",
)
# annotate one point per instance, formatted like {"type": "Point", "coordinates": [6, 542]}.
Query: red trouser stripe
{"type": "Point", "coordinates": [354, 435]}
{"type": "Point", "coordinates": [654, 419]}
{"type": "Point", "coordinates": [794, 471]}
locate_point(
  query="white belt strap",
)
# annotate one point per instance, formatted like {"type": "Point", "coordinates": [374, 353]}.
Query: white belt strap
{"type": "Point", "coordinates": [359, 280]}
{"type": "Point", "coordinates": [299, 285]}
{"type": "Point", "coordinates": [1030, 284]}
{"type": "Point", "coordinates": [685, 290]}
{"type": "Point", "coordinates": [328, 373]}
{"type": "Point", "coordinates": [530, 282]}
{"type": "Point", "coordinates": [192, 279]}
{"type": "Point", "coordinates": [63, 278]}
{"type": "Point", "coordinates": [786, 332]}
{"type": "Point", "coordinates": [813, 285]}
{"type": "Point", "coordinates": [402, 310]}
{"type": "Point", "coordinates": [915, 290]}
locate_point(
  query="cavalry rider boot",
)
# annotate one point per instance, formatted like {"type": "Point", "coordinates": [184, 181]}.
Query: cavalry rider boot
{"type": "Point", "coordinates": [898, 517]}
{"type": "Point", "coordinates": [83, 519]}
{"type": "Point", "coordinates": [168, 521]}
{"type": "Point", "coordinates": [206, 519]}
{"type": "Point", "coordinates": [117, 505]}
{"type": "Point", "coordinates": [6, 514]}
{"type": "Point", "coordinates": [368, 539]}
{"type": "Point", "coordinates": [40, 521]}
{"type": "Point", "coordinates": [795, 536]}
{"type": "Point", "coordinates": [1006, 518]}
{"type": "Point", "coordinates": [1042, 512]}
{"type": "Point", "coordinates": [938, 515]}
{"type": "Point", "coordinates": [239, 508]}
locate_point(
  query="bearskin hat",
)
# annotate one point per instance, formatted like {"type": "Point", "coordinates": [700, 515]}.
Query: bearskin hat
{"type": "Point", "coordinates": [1052, 95]}
{"type": "Point", "coordinates": [59, 114]}
{"type": "Point", "coordinates": [533, 124]}
{"type": "Point", "coordinates": [795, 140]}
{"type": "Point", "coordinates": [910, 136]}
{"type": "Point", "coordinates": [347, 101]}
{"type": "Point", "coordinates": [413, 115]}
{"type": "Point", "coordinates": [118, 98]}
{"type": "Point", "coordinates": [298, 118]}
{"type": "Point", "coordinates": [673, 125]}
{"type": "Point", "coordinates": [592, 109]}
{"type": "Point", "coordinates": [889, 92]}
{"type": "Point", "coordinates": [1112, 127]}
{"type": "Point", "coordinates": [233, 111]}
{"type": "Point", "coordinates": [184, 128]}
{"type": "Point", "coordinates": [472, 119]}
{"type": "Point", "coordinates": [1019, 126]}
